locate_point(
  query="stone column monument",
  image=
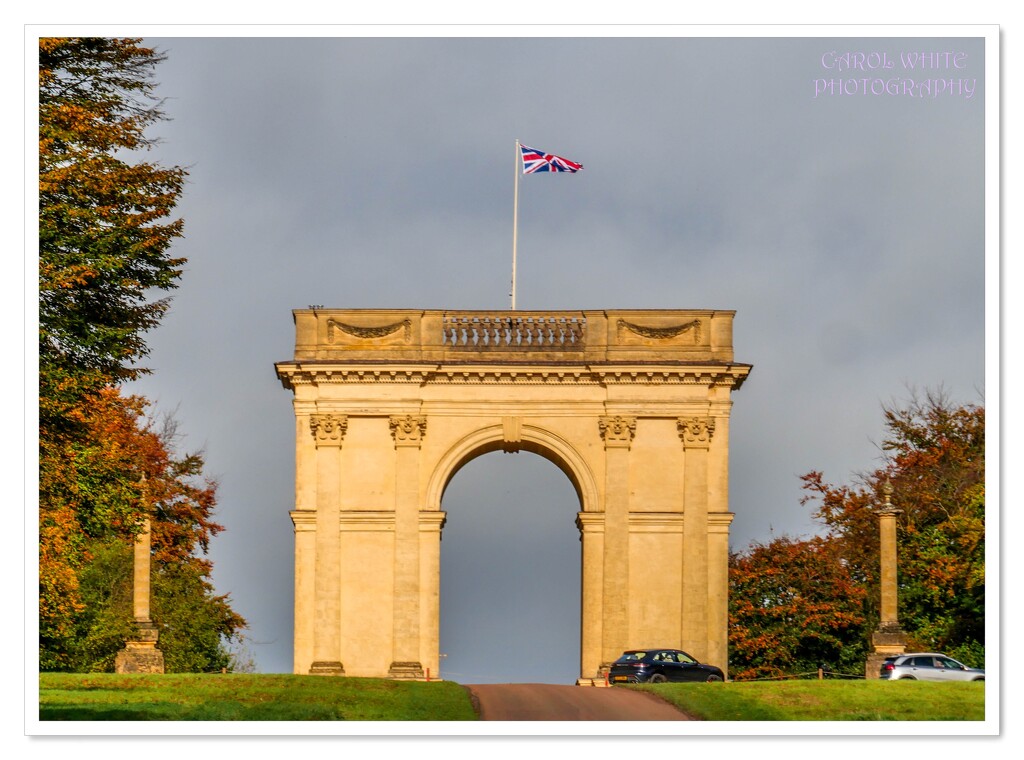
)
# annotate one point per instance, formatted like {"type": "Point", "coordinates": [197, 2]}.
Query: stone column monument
{"type": "Point", "coordinates": [888, 639]}
{"type": "Point", "coordinates": [140, 654]}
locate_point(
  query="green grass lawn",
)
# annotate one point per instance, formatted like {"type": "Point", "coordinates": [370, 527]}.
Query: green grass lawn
{"type": "Point", "coordinates": [826, 700]}
{"type": "Point", "coordinates": [181, 697]}
{"type": "Point", "coordinates": [105, 696]}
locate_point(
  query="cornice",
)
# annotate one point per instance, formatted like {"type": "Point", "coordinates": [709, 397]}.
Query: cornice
{"type": "Point", "coordinates": [293, 374]}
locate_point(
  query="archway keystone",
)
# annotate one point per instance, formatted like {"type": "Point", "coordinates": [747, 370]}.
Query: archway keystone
{"type": "Point", "coordinates": [633, 406]}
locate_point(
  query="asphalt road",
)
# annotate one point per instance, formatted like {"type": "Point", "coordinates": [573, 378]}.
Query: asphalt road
{"type": "Point", "coordinates": [533, 701]}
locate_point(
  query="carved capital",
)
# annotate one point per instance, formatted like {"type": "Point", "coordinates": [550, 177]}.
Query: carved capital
{"type": "Point", "coordinates": [696, 432]}
{"type": "Point", "coordinates": [408, 430]}
{"type": "Point", "coordinates": [328, 429]}
{"type": "Point", "coordinates": [617, 431]}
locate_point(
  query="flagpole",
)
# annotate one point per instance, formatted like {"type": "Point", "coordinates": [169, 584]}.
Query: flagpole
{"type": "Point", "coordinates": [515, 228]}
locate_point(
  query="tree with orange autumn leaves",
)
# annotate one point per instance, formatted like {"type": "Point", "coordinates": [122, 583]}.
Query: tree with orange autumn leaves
{"type": "Point", "coordinates": [799, 604]}
{"type": "Point", "coordinates": [83, 627]}
{"type": "Point", "coordinates": [104, 239]}
{"type": "Point", "coordinates": [794, 606]}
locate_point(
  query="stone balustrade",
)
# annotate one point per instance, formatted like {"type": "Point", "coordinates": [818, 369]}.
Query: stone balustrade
{"type": "Point", "coordinates": [500, 330]}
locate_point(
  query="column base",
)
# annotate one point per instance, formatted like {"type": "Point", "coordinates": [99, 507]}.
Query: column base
{"type": "Point", "coordinates": [140, 655]}
{"type": "Point", "coordinates": [887, 640]}
{"type": "Point", "coordinates": [322, 668]}
{"type": "Point", "coordinates": [406, 670]}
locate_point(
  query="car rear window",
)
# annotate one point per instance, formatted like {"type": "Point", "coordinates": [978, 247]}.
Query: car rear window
{"type": "Point", "coordinates": [631, 656]}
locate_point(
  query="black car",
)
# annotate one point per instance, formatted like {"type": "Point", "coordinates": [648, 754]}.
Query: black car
{"type": "Point", "coordinates": [659, 666]}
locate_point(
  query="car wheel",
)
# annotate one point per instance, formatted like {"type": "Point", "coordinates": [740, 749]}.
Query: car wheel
{"type": "Point", "coordinates": [980, 678]}
{"type": "Point", "coordinates": [907, 678]}
{"type": "Point", "coordinates": [712, 678]}
{"type": "Point", "coordinates": [657, 678]}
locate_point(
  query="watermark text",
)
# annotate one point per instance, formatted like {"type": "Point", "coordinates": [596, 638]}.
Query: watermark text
{"type": "Point", "coordinates": [908, 74]}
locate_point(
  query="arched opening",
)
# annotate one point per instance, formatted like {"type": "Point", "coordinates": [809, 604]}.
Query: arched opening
{"type": "Point", "coordinates": [510, 572]}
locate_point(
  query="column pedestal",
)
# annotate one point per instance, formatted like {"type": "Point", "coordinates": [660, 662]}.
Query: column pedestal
{"type": "Point", "coordinates": [140, 654]}
{"type": "Point", "coordinates": [888, 640]}
{"type": "Point", "coordinates": [406, 670]}
{"type": "Point", "coordinates": [326, 669]}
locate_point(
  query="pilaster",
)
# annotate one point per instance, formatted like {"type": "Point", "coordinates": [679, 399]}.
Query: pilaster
{"type": "Point", "coordinates": [591, 526]}
{"type": "Point", "coordinates": [304, 528]}
{"type": "Point", "coordinates": [431, 523]}
{"type": "Point", "coordinates": [408, 432]}
{"type": "Point", "coordinates": [617, 432]}
{"type": "Point", "coordinates": [328, 433]}
{"type": "Point", "coordinates": [695, 434]}
{"type": "Point", "coordinates": [718, 589]}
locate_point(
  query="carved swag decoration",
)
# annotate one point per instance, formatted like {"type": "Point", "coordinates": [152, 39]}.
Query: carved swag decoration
{"type": "Point", "coordinates": [661, 333]}
{"type": "Point", "coordinates": [369, 333]}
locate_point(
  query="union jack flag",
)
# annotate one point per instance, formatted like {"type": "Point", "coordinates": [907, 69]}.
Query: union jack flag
{"type": "Point", "coordinates": [537, 161]}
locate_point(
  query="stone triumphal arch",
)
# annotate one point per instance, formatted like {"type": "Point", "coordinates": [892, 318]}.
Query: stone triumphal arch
{"type": "Point", "coordinates": [633, 406]}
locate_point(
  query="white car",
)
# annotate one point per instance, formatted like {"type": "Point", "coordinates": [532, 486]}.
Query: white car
{"type": "Point", "coordinates": [928, 666]}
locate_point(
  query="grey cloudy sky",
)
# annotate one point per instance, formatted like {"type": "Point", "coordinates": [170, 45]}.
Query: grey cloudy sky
{"type": "Point", "coordinates": [847, 231]}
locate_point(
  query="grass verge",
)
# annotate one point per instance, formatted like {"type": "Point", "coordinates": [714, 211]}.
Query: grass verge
{"type": "Point", "coordinates": [826, 700]}
{"type": "Point", "coordinates": [106, 696]}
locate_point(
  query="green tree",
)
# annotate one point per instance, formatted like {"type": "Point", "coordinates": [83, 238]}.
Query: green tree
{"type": "Point", "coordinates": [103, 232]}
{"type": "Point", "coordinates": [197, 627]}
